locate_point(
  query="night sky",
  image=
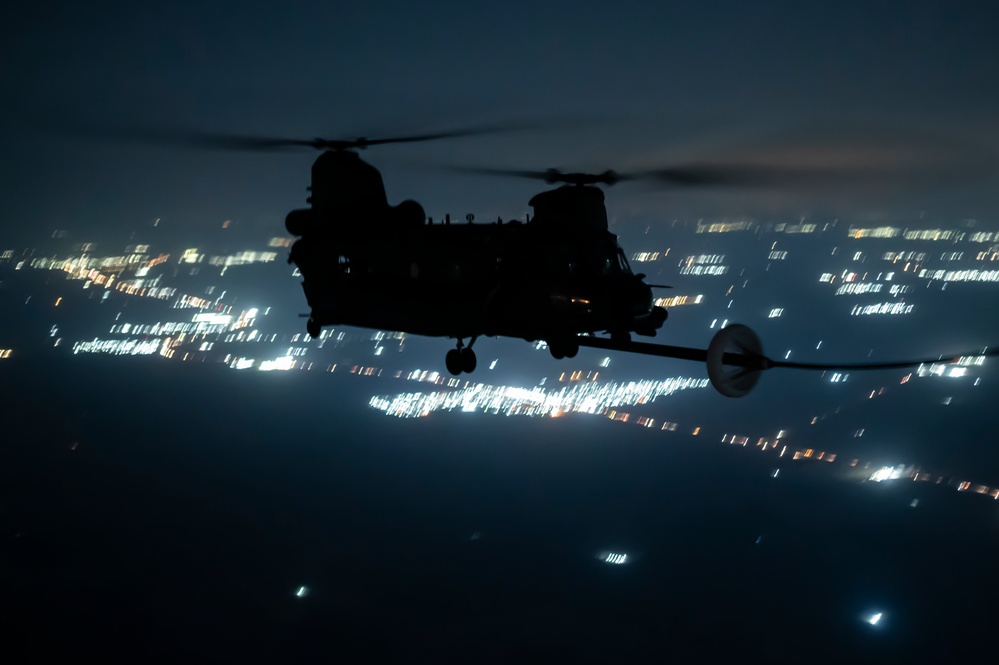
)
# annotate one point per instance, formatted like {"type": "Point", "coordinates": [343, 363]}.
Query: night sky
{"type": "Point", "coordinates": [608, 85]}
{"type": "Point", "coordinates": [200, 499]}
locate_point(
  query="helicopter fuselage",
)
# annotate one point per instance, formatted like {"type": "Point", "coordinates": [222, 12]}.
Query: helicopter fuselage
{"type": "Point", "coordinates": [470, 280]}
{"type": "Point", "coordinates": [553, 277]}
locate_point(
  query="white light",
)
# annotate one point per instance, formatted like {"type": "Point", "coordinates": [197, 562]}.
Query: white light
{"type": "Point", "coordinates": [302, 592]}
{"type": "Point", "coordinates": [888, 473]}
{"type": "Point", "coordinates": [874, 619]}
{"type": "Point", "coordinates": [212, 319]}
{"type": "Point", "coordinates": [280, 364]}
{"type": "Point", "coordinates": [613, 558]}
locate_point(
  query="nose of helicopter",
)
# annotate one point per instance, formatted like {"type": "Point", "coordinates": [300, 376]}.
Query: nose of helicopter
{"type": "Point", "coordinates": [630, 298]}
{"type": "Point", "coordinates": [641, 296]}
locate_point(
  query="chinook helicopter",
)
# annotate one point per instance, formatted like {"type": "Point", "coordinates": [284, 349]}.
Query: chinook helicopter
{"type": "Point", "coordinates": [553, 276]}
{"type": "Point", "coordinates": [559, 275]}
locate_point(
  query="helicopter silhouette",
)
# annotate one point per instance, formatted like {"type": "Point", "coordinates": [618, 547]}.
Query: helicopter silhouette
{"type": "Point", "coordinates": [553, 276]}
{"type": "Point", "coordinates": [559, 275]}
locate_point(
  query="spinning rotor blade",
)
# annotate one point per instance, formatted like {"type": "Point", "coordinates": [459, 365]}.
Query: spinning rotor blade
{"type": "Point", "coordinates": [514, 173]}
{"type": "Point", "coordinates": [747, 175]}
{"type": "Point", "coordinates": [223, 141]}
{"type": "Point", "coordinates": [767, 176]}
{"type": "Point", "coordinates": [833, 156]}
{"type": "Point", "coordinates": [551, 176]}
{"type": "Point", "coordinates": [830, 158]}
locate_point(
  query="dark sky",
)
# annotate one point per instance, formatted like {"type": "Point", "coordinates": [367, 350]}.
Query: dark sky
{"type": "Point", "coordinates": [614, 85]}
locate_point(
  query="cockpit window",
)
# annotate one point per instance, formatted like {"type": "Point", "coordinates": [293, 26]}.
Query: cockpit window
{"type": "Point", "coordinates": [623, 262]}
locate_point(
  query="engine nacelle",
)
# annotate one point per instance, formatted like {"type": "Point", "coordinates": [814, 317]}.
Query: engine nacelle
{"type": "Point", "coordinates": [299, 222]}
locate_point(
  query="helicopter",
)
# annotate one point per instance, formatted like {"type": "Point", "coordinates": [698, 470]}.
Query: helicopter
{"type": "Point", "coordinates": [553, 276]}
{"type": "Point", "coordinates": [559, 275]}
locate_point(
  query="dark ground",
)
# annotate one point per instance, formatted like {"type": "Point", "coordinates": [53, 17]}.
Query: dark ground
{"type": "Point", "coordinates": [199, 499]}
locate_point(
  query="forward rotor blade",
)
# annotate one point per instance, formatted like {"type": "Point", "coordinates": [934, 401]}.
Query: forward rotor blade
{"type": "Point", "coordinates": [876, 159]}
{"type": "Point", "coordinates": [550, 176]}
{"type": "Point", "coordinates": [759, 175]}
{"type": "Point", "coordinates": [514, 173]}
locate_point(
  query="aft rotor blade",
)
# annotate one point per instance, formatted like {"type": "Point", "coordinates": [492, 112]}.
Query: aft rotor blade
{"type": "Point", "coordinates": [458, 133]}
{"type": "Point", "coordinates": [166, 136]}
{"type": "Point", "coordinates": [182, 137]}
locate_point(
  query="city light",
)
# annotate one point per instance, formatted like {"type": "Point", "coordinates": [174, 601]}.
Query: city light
{"type": "Point", "coordinates": [217, 331]}
{"type": "Point", "coordinates": [592, 397]}
{"type": "Point", "coordinates": [613, 558]}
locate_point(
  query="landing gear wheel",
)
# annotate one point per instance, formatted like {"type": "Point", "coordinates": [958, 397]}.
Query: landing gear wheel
{"type": "Point", "coordinates": [565, 347]}
{"type": "Point", "coordinates": [467, 360]}
{"type": "Point", "coordinates": [453, 361]}
{"type": "Point", "coordinates": [313, 328]}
